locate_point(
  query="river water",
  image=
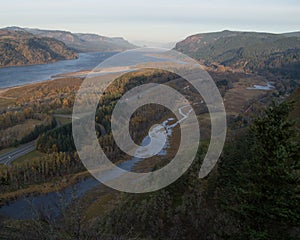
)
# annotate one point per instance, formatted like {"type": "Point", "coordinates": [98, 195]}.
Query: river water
{"type": "Point", "coordinates": [268, 87]}
{"type": "Point", "coordinates": [51, 204]}
{"type": "Point", "coordinates": [21, 75]}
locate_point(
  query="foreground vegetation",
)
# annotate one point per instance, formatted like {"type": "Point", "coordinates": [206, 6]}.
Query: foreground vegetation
{"type": "Point", "coordinates": [252, 194]}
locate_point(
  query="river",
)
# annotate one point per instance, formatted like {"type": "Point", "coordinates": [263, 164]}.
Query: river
{"type": "Point", "coordinates": [21, 75]}
{"type": "Point", "coordinates": [51, 204]}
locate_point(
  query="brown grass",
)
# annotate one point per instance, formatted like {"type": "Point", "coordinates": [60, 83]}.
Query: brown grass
{"type": "Point", "coordinates": [29, 157]}
{"type": "Point", "coordinates": [239, 97]}
{"type": "Point", "coordinates": [6, 102]}
{"type": "Point", "coordinates": [34, 88]}
{"type": "Point", "coordinates": [105, 201]}
{"type": "Point", "coordinates": [55, 185]}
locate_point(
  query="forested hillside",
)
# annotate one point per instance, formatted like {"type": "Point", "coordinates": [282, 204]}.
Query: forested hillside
{"type": "Point", "coordinates": [22, 48]}
{"type": "Point", "coordinates": [244, 50]}
{"type": "Point", "coordinates": [82, 42]}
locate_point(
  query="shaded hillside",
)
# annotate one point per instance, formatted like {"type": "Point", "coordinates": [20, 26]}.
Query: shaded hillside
{"type": "Point", "coordinates": [22, 48]}
{"type": "Point", "coordinates": [244, 50]}
{"type": "Point", "coordinates": [83, 42]}
{"type": "Point", "coordinates": [295, 114]}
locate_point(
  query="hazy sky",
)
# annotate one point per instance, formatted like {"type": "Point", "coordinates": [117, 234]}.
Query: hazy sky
{"type": "Point", "coordinates": [152, 20]}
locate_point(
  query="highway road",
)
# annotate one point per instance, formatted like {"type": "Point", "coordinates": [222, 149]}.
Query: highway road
{"type": "Point", "coordinates": [12, 155]}
{"type": "Point", "coordinates": [9, 157]}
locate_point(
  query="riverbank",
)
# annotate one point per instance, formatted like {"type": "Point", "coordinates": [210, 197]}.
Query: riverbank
{"type": "Point", "coordinates": [22, 75]}
{"type": "Point", "coordinates": [13, 98]}
{"type": "Point", "coordinates": [90, 72]}
{"type": "Point", "coordinates": [12, 93]}
{"type": "Point", "coordinates": [3, 91]}
{"type": "Point", "coordinates": [44, 188]}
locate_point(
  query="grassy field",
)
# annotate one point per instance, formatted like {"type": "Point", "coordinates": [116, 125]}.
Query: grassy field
{"type": "Point", "coordinates": [238, 98]}
{"type": "Point", "coordinates": [63, 120]}
{"type": "Point", "coordinates": [6, 102]}
{"type": "Point", "coordinates": [105, 201]}
{"type": "Point", "coordinates": [41, 88]}
{"type": "Point", "coordinates": [3, 151]}
{"type": "Point", "coordinates": [29, 157]}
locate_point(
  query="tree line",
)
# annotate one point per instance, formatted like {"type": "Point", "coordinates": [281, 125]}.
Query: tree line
{"type": "Point", "coordinates": [47, 168]}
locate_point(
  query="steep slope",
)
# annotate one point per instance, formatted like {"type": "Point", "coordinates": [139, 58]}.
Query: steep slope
{"type": "Point", "coordinates": [295, 114]}
{"type": "Point", "coordinates": [23, 48]}
{"type": "Point", "coordinates": [82, 42]}
{"type": "Point", "coordinates": [245, 50]}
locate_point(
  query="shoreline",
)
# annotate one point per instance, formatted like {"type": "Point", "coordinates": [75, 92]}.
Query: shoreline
{"type": "Point", "coordinates": [76, 74]}
{"type": "Point", "coordinates": [5, 89]}
{"type": "Point", "coordinates": [36, 64]}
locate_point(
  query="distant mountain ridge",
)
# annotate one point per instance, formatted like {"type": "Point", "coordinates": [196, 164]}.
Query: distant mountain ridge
{"type": "Point", "coordinates": [23, 48]}
{"type": "Point", "coordinates": [244, 50]}
{"type": "Point", "coordinates": [82, 42]}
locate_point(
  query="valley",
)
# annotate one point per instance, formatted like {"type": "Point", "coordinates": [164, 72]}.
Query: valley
{"type": "Point", "coordinates": [44, 185]}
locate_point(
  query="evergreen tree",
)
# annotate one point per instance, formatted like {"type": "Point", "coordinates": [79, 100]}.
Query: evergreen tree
{"type": "Point", "coordinates": [268, 194]}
